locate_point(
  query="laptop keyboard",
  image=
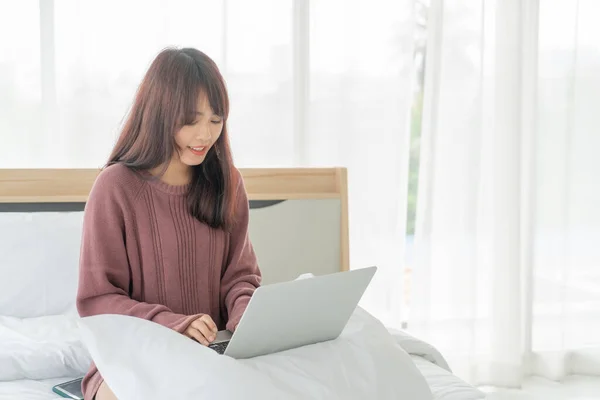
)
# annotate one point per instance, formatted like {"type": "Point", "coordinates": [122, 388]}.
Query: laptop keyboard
{"type": "Point", "coordinates": [219, 347]}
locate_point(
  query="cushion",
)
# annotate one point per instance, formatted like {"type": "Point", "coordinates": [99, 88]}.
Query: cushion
{"type": "Point", "coordinates": [143, 360]}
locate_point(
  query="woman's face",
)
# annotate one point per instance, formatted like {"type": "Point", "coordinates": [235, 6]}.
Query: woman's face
{"type": "Point", "coordinates": [194, 140]}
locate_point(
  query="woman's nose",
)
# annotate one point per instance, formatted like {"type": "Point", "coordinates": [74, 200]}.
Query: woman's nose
{"type": "Point", "coordinates": [203, 134]}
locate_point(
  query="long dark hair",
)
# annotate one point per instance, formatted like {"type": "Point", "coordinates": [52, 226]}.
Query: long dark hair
{"type": "Point", "coordinates": [165, 101]}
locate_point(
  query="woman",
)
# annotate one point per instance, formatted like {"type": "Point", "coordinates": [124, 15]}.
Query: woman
{"type": "Point", "coordinates": [165, 233]}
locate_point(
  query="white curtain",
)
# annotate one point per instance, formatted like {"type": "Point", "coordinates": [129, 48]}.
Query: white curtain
{"type": "Point", "coordinates": [360, 97]}
{"type": "Point", "coordinates": [507, 274]}
{"type": "Point", "coordinates": [319, 83]}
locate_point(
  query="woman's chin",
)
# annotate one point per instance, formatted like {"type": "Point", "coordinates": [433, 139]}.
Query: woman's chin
{"type": "Point", "coordinates": [193, 160]}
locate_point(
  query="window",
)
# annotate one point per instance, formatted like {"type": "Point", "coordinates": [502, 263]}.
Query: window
{"type": "Point", "coordinates": [69, 76]}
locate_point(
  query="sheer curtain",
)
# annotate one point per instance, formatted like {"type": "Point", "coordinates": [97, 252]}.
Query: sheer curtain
{"type": "Point", "coordinates": [72, 67]}
{"type": "Point", "coordinates": [566, 229]}
{"type": "Point", "coordinates": [507, 274]}
{"type": "Point", "coordinates": [320, 83]}
{"type": "Point", "coordinates": [360, 97]}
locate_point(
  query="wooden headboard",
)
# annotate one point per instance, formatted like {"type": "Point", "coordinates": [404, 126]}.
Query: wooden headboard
{"type": "Point", "coordinates": [55, 186]}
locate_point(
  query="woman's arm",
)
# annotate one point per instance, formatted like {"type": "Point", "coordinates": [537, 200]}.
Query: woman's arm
{"type": "Point", "coordinates": [104, 271]}
{"type": "Point", "coordinates": [242, 275]}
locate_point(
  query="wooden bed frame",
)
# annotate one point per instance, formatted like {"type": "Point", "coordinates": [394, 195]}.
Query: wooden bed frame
{"type": "Point", "coordinates": [73, 186]}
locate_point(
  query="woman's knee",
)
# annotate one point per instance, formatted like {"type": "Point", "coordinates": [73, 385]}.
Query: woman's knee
{"type": "Point", "coordinates": [104, 393]}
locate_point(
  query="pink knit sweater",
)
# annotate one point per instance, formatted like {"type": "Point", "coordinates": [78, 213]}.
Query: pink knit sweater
{"type": "Point", "coordinates": [144, 255]}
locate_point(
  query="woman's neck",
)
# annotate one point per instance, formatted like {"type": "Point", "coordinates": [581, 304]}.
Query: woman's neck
{"type": "Point", "coordinates": [177, 173]}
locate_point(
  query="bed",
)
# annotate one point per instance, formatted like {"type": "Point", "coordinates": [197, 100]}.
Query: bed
{"type": "Point", "coordinates": [444, 385]}
{"type": "Point", "coordinates": [40, 224]}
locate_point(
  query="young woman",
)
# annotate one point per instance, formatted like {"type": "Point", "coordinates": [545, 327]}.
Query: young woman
{"type": "Point", "coordinates": [165, 233]}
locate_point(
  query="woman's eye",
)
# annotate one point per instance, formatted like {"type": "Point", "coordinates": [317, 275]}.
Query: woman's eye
{"type": "Point", "coordinates": [216, 122]}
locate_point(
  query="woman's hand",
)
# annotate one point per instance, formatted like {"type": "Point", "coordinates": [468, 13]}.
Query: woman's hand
{"type": "Point", "coordinates": [203, 330]}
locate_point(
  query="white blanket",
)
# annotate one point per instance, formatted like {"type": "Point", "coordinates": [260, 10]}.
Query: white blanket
{"type": "Point", "coordinates": [47, 347]}
{"type": "Point", "coordinates": [417, 347]}
{"type": "Point", "coordinates": [443, 384]}
{"type": "Point", "coordinates": [39, 348]}
{"type": "Point", "coordinates": [143, 360]}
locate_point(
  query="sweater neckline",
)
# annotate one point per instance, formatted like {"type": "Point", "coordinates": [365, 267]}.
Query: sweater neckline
{"type": "Point", "coordinates": [164, 187]}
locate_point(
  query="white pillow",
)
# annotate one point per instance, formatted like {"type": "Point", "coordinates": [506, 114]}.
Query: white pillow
{"type": "Point", "coordinates": [143, 360]}
{"type": "Point", "coordinates": [41, 348]}
{"type": "Point", "coordinates": [39, 262]}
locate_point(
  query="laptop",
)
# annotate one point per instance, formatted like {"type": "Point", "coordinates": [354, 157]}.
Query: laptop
{"type": "Point", "coordinates": [287, 315]}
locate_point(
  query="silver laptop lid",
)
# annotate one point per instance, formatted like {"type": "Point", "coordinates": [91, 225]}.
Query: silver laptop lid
{"type": "Point", "coordinates": [291, 314]}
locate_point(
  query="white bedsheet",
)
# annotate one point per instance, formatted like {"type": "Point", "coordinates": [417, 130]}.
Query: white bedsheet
{"type": "Point", "coordinates": [41, 347]}
{"type": "Point", "coordinates": [428, 360]}
{"type": "Point", "coordinates": [444, 385]}
{"type": "Point", "coordinates": [30, 389]}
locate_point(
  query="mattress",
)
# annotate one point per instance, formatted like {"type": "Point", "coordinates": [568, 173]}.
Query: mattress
{"type": "Point", "coordinates": [444, 385]}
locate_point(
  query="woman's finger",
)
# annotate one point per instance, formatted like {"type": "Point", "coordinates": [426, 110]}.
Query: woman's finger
{"type": "Point", "coordinates": [209, 321]}
{"type": "Point", "coordinates": [201, 325]}
{"type": "Point", "coordinates": [197, 335]}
